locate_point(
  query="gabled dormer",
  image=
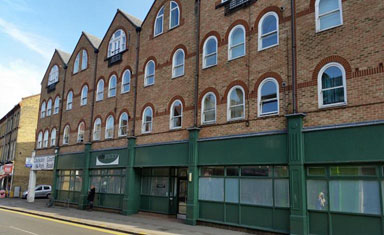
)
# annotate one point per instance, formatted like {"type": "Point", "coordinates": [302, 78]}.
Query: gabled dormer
{"type": "Point", "coordinates": [55, 71]}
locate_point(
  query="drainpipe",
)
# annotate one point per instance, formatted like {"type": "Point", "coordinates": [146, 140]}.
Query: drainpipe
{"type": "Point", "coordinates": [93, 96]}
{"type": "Point", "coordinates": [197, 64]}
{"type": "Point", "coordinates": [62, 106]}
{"type": "Point", "coordinates": [293, 35]}
{"type": "Point", "coordinates": [138, 30]}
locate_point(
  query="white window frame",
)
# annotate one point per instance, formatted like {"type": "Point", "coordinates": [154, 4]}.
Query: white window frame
{"type": "Point", "coordinates": [177, 8]}
{"type": "Point", "coordinates": [80, 133]}
{"type": "Point", "coordinates": [66, 134]}
{"type": "Point", "coordinates": [121, 126]}
{"type": "Point", "coordinates": [40, 140]}
{"type": "Point", "coordinates": [76, 64]}
{"type": "Point", "coordinates": [149, 75]}
{"type": "Point", "coordinates": [53, 75]}
{"type": "Point", "coordinates": [49, 107]}
{"type": "Point", "coordinates": [203, 109]}
{"type": "Point", "coordinates": [97, 131]}
{"type": "Point", "coordinates": [53, 137]}
{"type": "Point", "coordinates": [106, 136]}
{"type": "Point", "coordinates": [123, 82]}
{"type": "Point", "coordinates": [205, 55]}
{"type": "Point", "coordinates": [84, 60]}
{"type": "Point", "coordinates": [144, 122]}
{"type": "Point", "coordinates": [112, 86]}
{"type": "Point", "coordinates": [318, 16]}
{"type": "Point", "coordinates": [84, 96]}
{"type": "Point", "coordinates": [262, 36]}
{"type": "Point", "coordinates": [46, 139]}
{"type": "Point", "coordinates": [158, 16]}
{"type": "Point", "coordinates": [320, 86]}
{"type": "Point", "coordinates": [69, 101]}
{"type": "Point", "coordinates": [229, 104]}
{"type": "Point", "coordinates": [172, 117]}
{"type": "Point", "coordinates": [230, 46]}
{"type": "Point", "coordinates": [56, 106]}
{"type": "Point", "coordinates": [100, 92]}
{"type": "Point", "coordinates": [117, 44]}
{"type": "Point", "coordinates": [175, 66]}
{"type": "Point", "coordinates": [43, 109]}
{"type": "Point", "coordinates": [259, 103]}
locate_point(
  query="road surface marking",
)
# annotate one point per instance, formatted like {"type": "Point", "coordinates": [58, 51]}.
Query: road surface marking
{"type": "Point", "coordinates": [69, 223]}
{"type": "Point", "coordinates": [25, 231]}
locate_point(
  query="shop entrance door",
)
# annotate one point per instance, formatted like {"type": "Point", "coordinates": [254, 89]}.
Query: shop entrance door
{"type": "Point", "coordinates": [182, 192]}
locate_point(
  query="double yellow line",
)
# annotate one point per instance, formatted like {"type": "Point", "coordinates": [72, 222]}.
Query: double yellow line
{"type": "Point", "coordinates": [70, 223]}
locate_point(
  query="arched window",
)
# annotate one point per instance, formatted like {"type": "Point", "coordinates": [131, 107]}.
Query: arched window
{"type": "Point", "coordinates": [84, 60]}
{"type": "Point", "coordinates": [53, 75]}
{"type": "Point", "coordinates": [42, 110]}
{"type": "Point", "coordinates": [97, 129]}
{"type": "Point", "coordinates": [328, 14]}
{"type": "Point", "coordinates": [159, 22]}
{"type": "Point", "coordinates": [147, 120]}
{"type": "Point", "coordinates": [49, 107]}
{"type": "Point", "coordinates": [109, 127]}
{"type": "Point", "coordinates": [236, 46]}
{"type": "Point", "coordinates": [174, 15]}
{"type": "Point", "coordinates": [45, 140]}
{"type": "Point", "coordinates": [53, 137]}
{"type": "Point", "coordinates": [210, 52]}
{"type": "Point", "coordinates": [268, 31]}
{"type": "Point", "coordinates": [126, 84]}
{"type": "Point", "coordinates": [332, 85]}
{"type": "Point", "coordinates": [77, 63]}
{"type": "Point", "coordinates": [66, 134]}
{"type": "Point", "coordinates": [84, 95]}
{"type": "Point", "coordinates": [268, 97]}
{"type": "Point", "coordinates": [123, 124]}
{"type": "Point", "coordinates": [40, 140]}
{"type": "Point", "coordinates": [178, 63]}
{"type": "Point", "coordinates": [100, 90]}
{"type": "Point", "coordinates": [56, 106]}
{"type": "Point", "coordinates": [117, 43]}
{"type": "Point", "coordinates": [112, 86]}
{"type": "Point", "coordinates": [176, 114]}
{"type": "Point", "coordinates": [80, 132]}
{"type": "Point", "coordinates": [236, 104]}
{"type": "Point", "coordinates": [149, 73]}
{"type": "Point", "coordinates": [208, 114]}
{"type": "Point", "coordinates": [69, 100]}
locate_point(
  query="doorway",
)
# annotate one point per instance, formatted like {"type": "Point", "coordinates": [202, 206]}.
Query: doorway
{"type": "Point", "coordinates": [182, 193]}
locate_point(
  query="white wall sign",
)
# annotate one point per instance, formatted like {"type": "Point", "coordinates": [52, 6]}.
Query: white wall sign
{"type": "Point", "coordinates": [44, 163]}
{"type": "Point", "coordinates": [107, 159]}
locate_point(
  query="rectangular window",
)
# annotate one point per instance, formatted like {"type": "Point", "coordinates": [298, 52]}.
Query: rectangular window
{"type": "Point", "coordinates": [232, 171]}
{"type": "Point", "coordinates": [316, 171]}
{"type": "Point", "coordinates": [251, 193]}
{"type": "Point", "coordinates": [281, 171]}
{"type": "Point", "coordinates": [146, 186]}
{"type": "Point", "coordinates": [281, 192]}
{"type": "Point", "coordinates": [211, 189]}
{"type": "Point", "coordinates": [232, 190]}
{"type": "Point", "coordinates": [317, 194]}
{"type": "Point", "coordinates": [255, 171]}
{"type": "Point", "coordinates": [159, 186]}
{"type": "Point", "coordinates": [353, 171]}
{"type": "Point", "coordinates": [212, 171]}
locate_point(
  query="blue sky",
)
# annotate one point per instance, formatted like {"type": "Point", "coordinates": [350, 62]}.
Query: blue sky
{"type": "Point", "coordinates": [30, 30]}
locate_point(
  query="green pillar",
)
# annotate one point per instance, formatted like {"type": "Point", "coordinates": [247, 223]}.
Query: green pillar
{"type": "Point", "coordinates": [54, 183]}
{"type": "Point", "coordinates": [193, 178]}
{"type": "Point", "coordinates": [85, 184]}
{"type": "Point", "coordinates": [131, 199]}
{"type": "Point", "coordinates": [298, 217]}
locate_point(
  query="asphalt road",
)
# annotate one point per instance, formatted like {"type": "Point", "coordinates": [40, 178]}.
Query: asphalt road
{"type": "Point", "coordinates": [16, 223]}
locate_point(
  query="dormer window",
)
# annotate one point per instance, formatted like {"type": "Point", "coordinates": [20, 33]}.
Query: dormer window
{"type": "Point", "coordinates": [174, 15]}
{"type": "Point", "coordinates": [159, 22]}
{"type": "Point", "coordinates": [53, 75]}
{"type": "Point", "coordinates": [117, 43]}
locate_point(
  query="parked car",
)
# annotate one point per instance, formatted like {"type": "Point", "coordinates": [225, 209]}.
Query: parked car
{"type": "Point", "coordinates": [41, 191]}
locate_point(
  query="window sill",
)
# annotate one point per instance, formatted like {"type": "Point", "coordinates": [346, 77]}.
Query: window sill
{"type": "Point", "coordinates": [265, 48]}
{"type": "Point", "coordinates": [175, 128]}
{"type": "Point", "coordinates": [149, 85]}
{"type": "Point", "coordinates": [232, 59]}
{"type": "Point", "coordinates": [268, 115]}
{"type": "Point", "coordinates": [333, 106]}
{"type": "Point", "coordinates": [318, 31]}
{"type": "Point", "coordinates": [174, 27]}
{"type": "Point", "coordinates": [125, 92]}
{"type": "Point", "coordinates": [208, 124]}
{"type": "Point", "coordinates": [174, 77]}
{"type": "Point", "coordinates": [157, 35]}
{"type": "Point", "coordinates": [208, 67]}
{"type": "Point", "coordinates": [242, 119]}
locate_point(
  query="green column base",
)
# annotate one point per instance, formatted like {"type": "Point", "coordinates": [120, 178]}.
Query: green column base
{"type": "Point", "coordinates": [298, 225]}
{"type": "Point", "coordinates": [83, 202]}
{"type": "Point", "coordinates": [129, 207]}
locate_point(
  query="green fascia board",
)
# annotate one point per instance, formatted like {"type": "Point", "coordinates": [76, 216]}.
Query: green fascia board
{"type": "Point", "coordinates": [265, 149]}
{"type": "Point", "coordinates": [123, 157]}
{"type": "Point", "coordinates": [70, 161]}
{"type": "Point", "coordinates": [162, 155]}
{"type": "Point", "coordinates": [352, 144]}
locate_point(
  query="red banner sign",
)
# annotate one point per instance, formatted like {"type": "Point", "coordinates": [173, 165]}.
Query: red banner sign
{"type": "Point", "coordinates": [8, 169]}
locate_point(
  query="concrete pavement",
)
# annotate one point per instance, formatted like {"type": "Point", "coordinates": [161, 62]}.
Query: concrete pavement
{"type": "Point", "coordinates": [139, 223]}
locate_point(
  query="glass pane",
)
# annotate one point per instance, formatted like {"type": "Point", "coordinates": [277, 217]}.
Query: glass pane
{"type": "Point", "coordinates": [159, 186]}
{"type": "Point", "coordinates": [282, 193]}
{"type": "Point", "coordinates": [237, 36]}
{"type": "Point", "coordinates": [269, 106]}
{"type": "Point", "coordinates": [256, 192]}
{"type": "Point", "coordinates": [269, 24]}
{"type": "Point", "coordinates": [159, 26]}
{"type": "Point", "coordinates": [317, 195]}
{"type": "Point", "coordinates": [65, 183]}
{"type": "Point", "coordinates": [209, 116]}
{"type": "Point", "coordinates": [211, 60]}
{"type": "Point", "coordinates": [104, 184]}
{"type": "Point", "coordinates": [330, 20]}
{"type": "Point", "coordinates": [333, 96]}
{"type": "Point", "coordinates": [328, 5]}
{"type": "Point", "coordinates": [237, 51]}
{"type": "Point", "coordinates": [332, 77]}
{"type": "Point", "coordinates": [232, 190]}
{"type": "Point", "coordinates": [211, 189]}
{"type": "Point", "coordinates": [210, 47]}
{"type": "Point", "coordinates": [78, 183]}
{"type": "Point", "coordinates": [353, 171]}
{"type": "Point", "coordinates": [236, 97]}
{"type": "Point", "coordinates": [212, 171]}
{"type": "Point", "coordinates": [178, 71]}
{"type": "Point", "coordinates": [356, 196]}
{"type": "Point", "coordinates": [255, 171]}
{"type": "Point", "coordinates": [160, 171]}
{"type": "Point", "coordinates": [232, 171]}
{"type": "Point", "coordinates": [237, 112]}
{"type": "Point", "coordinates": [281, 171]}
{"type": "Point", "coordinates": [317, 171]}
{"type": "Point", "coordinates": [174, 18]}
{"type": "Point", "coordinates": [146, 185]}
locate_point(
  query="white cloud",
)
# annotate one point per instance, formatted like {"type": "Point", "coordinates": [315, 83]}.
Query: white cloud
{"type": "Point", "coordinates": [18, 5]}
{"type": "Point", "coordinates": [34, 42]}
{"type": "Point", "coordinates": [18, 79]}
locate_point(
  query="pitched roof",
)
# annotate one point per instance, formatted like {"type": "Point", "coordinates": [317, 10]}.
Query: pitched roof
{"type": "Point", "coordinates": [64, 55]}
{"type": "Point", "coordinates": [135, 21]}
{"type": "Point", "coordinates": [95, 41]}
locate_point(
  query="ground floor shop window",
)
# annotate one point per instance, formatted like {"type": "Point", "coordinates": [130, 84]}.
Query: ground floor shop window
{"type": "Point", "coordinates": [155, 182]}
{"type": "Point", "coordinates": [69, 180]}
{"type": "Point", "coordinates": [251, 185]}
{"type": "Point", "coordinates": [110, 181]}
{"type": "Point", "coordinates": [350, 189]}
